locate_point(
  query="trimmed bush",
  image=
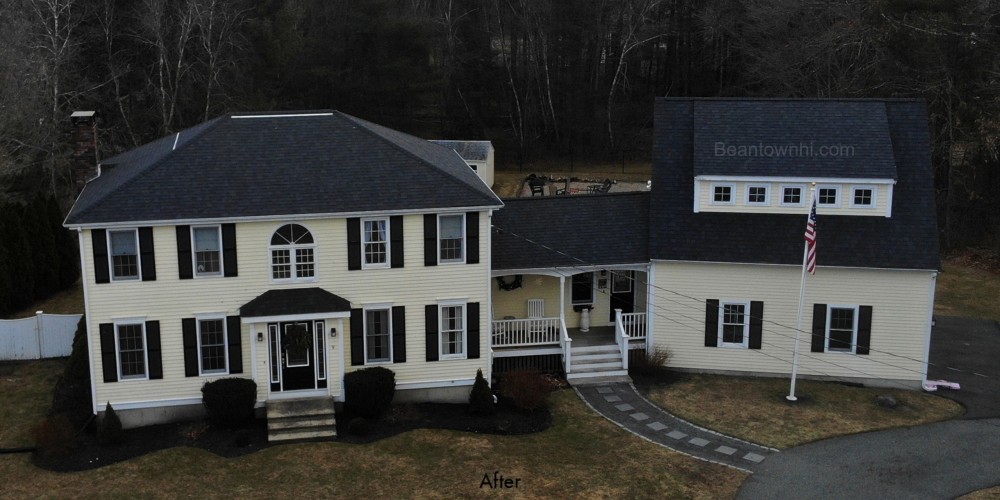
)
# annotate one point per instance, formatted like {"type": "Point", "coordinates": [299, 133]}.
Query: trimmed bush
{"type": "Point", "coordinates": [481, 397]}
{"type": "Point", "coordinates": [71, 394]}
{"type": "Point", "coordinates": [650, 364]}
{"type": "Point", "coordinates": [110, 431]}
{"type": "Point", "coordinates": [229, 401]}
{"type": "Point", "coordinates": [526, 389]}
{"type": "Point", "coordinates": [368, 392]}
{"type": "Point", "coordinates": [360, 426]}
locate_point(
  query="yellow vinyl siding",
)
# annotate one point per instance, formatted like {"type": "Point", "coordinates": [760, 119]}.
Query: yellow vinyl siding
{"type": "Point", "coordinates": [168, 299]}
{"type": "Point", "coordinates": [899, 318]}
{"type": "Point", "coordinates": [534, 286]}
{"type": "Point", "coordinates": [774, 193]}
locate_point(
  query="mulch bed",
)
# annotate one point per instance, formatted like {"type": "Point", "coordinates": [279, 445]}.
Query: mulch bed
{"type": "Point", "coordinates": [88, 454]}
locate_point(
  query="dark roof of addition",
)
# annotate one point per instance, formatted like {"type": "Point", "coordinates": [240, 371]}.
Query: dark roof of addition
{"type": "Point", "coordinates": [792, 138]}
{"type": "Point", "coordinates": [468, 150]}
{"type": "Point", "coordinates": [571, 231]}
{"type": "Point", "coordinates": [292, 301]}
{"type": "Point", "coordinates": [254, 165]}
{"type": "Point", "coordinates": [907, 240]}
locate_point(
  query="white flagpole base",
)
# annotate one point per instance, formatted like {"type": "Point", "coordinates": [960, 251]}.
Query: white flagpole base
{"type": "Point", "coordinates": [791, 398]}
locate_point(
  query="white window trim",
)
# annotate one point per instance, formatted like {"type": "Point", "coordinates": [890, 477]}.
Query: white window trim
{"type": "Point", "coordinates": [138, 256]}
{"type": "Point", "coordinates": [145, 349]}
{"type": "Point", "coordinates": [225, 343]}
{"type": "Point", "coordinates": [835, 204]}
{"type": "Point", "coordinates": [274, 353]}
{"type": "Point", "coordinates": [378, 307]}
{"type": "Point", "coordinates": [732, 193]}
{"type": "Point", "coordinates": [593, 287]}
{"type": "Point", "coordinates": [746, 324]}
{"type": "Point", "coordinates": [802, 195]}
{"type": "Point", "coordinates": [388, 246]}
{"type": "Point", "coordinates": [767, 195]}
{"type": "Point", "coordinates": [292, 258]}
{"type": "Point", "coordinates": [874, 202]}
{"type": "Point", "coordinates": [854, 334]}
{"type": "Point", "coordinates": [194, 253]}
{"type": "Point", "coordinates": [465, 240]}
{"type": "Point", "coordinates": [465, 329]}
{"type": "Point", "coordinates": [319, 333]}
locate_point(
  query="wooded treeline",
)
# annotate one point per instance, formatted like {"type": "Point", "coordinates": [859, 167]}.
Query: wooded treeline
{"type": "Point", "coordinates": [571, 80]}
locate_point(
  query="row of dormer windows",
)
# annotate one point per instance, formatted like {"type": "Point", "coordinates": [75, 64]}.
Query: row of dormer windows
{"type": "Point", "coordinates": [794, 196]}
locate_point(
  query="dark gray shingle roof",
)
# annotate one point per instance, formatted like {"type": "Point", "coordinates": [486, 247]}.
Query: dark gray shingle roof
{"type": "Point", "coordinates": [907, 240]}
{"type": "Point", "coordinates": [571, 231]}
{"type": "Point", "coordinates": [781, 137]}
{"type": "Point", "coordinates": [292, 301]}
{"type": "Point", "coordinates": [265, 165]}
{"type": "Point", "coordinates": [468, 150]}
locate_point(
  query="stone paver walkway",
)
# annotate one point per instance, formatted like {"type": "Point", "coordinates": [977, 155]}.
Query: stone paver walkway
{"type": "Point", "coordinates": [622, 404]}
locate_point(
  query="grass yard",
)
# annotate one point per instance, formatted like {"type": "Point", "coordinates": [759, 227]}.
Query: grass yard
{"type": "Point", "coordinates": [69, 301]}
{"type": "Point", "coordinates": [755, 409]}
{"type": "Point", "coordinates": [967, 289]}
{"type": "Point", "coordinates": [27, 389]}
{"type": "Point", "coordinates": [581, 455]}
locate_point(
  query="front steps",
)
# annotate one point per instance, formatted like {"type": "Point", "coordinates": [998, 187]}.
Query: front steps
{"type": "Point", "coordinates": [294, 419]}
{"type": "Point", "coordinates": [601, 363]}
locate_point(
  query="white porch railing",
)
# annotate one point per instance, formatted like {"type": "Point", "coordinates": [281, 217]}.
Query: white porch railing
{"type": "Point", "coordinates": [621, 338]}
{"type": "Point", "coordinates": [634, 325]}
{"type": "Point", "coordinates": [567, 346]}
{"type": "Point", "coordinates": [527, 332]}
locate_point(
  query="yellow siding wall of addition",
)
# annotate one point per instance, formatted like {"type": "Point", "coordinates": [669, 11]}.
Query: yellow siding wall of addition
{"type": "Point", "coordinates": [168, 299]}
{"type": "Point", "coordinates": [774, 195]}
{"type": "Point", "coordinates": [900, 302]}
{"type": "Point", "coordinates": [535, 286]}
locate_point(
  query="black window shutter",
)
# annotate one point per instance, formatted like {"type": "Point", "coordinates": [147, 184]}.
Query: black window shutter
{"type": "Point", "coordinates": [146, 254]}
{"type": "Point", "coordinates": [357, 337]}
{"type": "Point", "coordinates": [184, 269]}
{"type": "Point", "coordinates": [472, 238]}
{"type": "Point", "coordinates": [430, 240]}
{"type": "Point", "coordinates": [472, 327]}
{"type": "Point", "coordinates": [756, 324]}
{"type": "Point", "coordinates": [153, 350]}
{"type": "Point", "coordinates": [229, 250]}
{"type": "Point", "coordinates": [819, 328]}
{"type": "Point", "coordinates": [109, 357]}
{"type": "Point", "coordinates": [102, 273]}
{"type": "Point", "coordinates": [431, 322]}
{"type": "Point", "coordinates": [398, 334]}
{"type": "Point", "coordinates": [712, 323]}
{"type": "Point", "coordinates": [189, 333]}
{"type": "Point", "coordinates": [353, 244]}
{"type": "Point", "coordinates": [864, 330]}
{"type": "Point", "coordinates": [396, 241]}
{"type": "Point", "coordinates": [234, 336]}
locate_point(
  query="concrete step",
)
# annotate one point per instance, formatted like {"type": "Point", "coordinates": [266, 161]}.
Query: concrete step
{"type": "Point", "coordinates": [298, 419]}
{"type": "Point", "coordinates": [299, 407]}
{"type": "Point", "coordinates": [598, 377]}
{"type": "Point", "coordinates": [595, 367]}
{"type": "Point", "coordinates": [302, 422]}
{"type": "Point", "coordinates": [297, 434]}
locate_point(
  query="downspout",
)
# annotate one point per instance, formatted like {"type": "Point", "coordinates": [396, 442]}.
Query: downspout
{"type": "Point", "coordinates": [650, 279]}
{"type": "Point", "coordinates": [489, 295]}
{"type": "Point", "coordinates": [88, 319]}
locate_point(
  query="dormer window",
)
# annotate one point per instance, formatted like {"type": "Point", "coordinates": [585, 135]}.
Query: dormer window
{"type": "Point", "coordinates": [864, 197]}
{"type": "Point", "coordinates": [791, 196]}
{"type": "Point", "coordinates": [722, 193]}
{"type": "Point", "coordinates": [828, 196]}
{"type": "Point", "coordinates": [757, 194]}
{"type": "Point", "coordinates": [293, 254]}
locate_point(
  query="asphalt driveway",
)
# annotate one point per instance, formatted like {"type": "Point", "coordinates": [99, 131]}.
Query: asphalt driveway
{"type": "Point", "coordinates": [972, 346]}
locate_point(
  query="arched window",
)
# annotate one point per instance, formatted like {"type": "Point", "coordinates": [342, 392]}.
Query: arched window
{"type": "Point", "coordinates": [293, 255]}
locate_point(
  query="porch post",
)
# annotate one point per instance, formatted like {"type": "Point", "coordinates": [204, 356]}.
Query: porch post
{"type": "Point", "coordinates": [562, 298]}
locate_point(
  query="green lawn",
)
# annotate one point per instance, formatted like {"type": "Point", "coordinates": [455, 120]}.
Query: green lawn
{"type": "Point", "coordinates": [966, 290]}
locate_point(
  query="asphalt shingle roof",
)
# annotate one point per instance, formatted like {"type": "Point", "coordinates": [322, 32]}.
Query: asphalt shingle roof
{"type": "Point", "coordinates": [907, 240]}
{"type": "Point", "coordinates": [571, 231]}
{"type": "Point", "coordinates": [266, 165]}
{"type": "Point", "coordinates": [293, 301]}
{"type": "Point", "coordinates": [792, 138]}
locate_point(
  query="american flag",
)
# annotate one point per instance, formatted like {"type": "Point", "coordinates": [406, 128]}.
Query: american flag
{"type": "Point", "coordinates": [811, 240]}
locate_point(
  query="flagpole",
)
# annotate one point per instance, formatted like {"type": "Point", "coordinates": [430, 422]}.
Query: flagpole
{"type": "Point", "coordinates": [802, 294]}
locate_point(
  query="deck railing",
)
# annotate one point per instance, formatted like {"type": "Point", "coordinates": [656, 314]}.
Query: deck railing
{"type": "Point", "coordinates": [634, 325]}
{"type": "Point", "coordinates": [527, 332]}
{"type": "Point", "coordinates": [621, 338]}
{"type": "Point", "coordinates": [567, 346]}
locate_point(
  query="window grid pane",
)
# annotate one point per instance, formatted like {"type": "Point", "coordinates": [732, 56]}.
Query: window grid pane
{"type": "Point", "coordinates": [862, 196]}
{"type": "Point", "coordinates": [841, 329]}
{"type": "Point", "coordinates": [828, 196]}
{"type": "Point", "coordinates": [304, 267]}
{"type": "Point", "coordinates": [451, 330]}
{"type": "Point", "coordinates": [723, 194]}
{"type": "Point", "coordinates": [207, 250]}
{"type": "Point", "coordinates": [451, 237]}
{"type": "Point", "coordinates": [375, 242]}
{"type": "Point", "coordinates": [757, 194]}
{"type": "Point", "coordinates": [281, 267]}
{"type": "Point", "coordinates": [793, 196]}
{"type": "Point", "coordinates": [131, 351]}
{"type": "Point", "coordinates": [124, 255]}
{"type": "Point", "coordinates": [377, 333]}
{"type": "Point", "coordinates": [213, 346]}
{"type": "Point", "coordinates": [733, 321]}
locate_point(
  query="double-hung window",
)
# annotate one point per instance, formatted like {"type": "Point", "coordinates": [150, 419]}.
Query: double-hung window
{"type": "Point", "coordinates": [130, 341]}
{"type": "Point", "coordinates": [207, 250]}
{"type": "Point", "coordinates": [375, 244]}
{"type": "Point", "coordinates": [734, 324]}
{"type": "Point", "coordinates": [451, 238]}
{"type": "Point", "coordinates": [212, 346]}
{"type": "Point", "coordinates": [124, 252]}
{"type": "Point", "coordinates": [452, 330]}
{"type": "Point", "coordinates": [378, 336]}
{"type": "Point", "coordinates": [842, 329]}
{"type": "Point", "coordinates": [293, 254]}
{"type": "Point", "coordinates": [582, 289]}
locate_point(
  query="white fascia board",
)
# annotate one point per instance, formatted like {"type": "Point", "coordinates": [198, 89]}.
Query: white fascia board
{"type": "Point", "coordinates": [293, 317]}
{"type": "Point", "coordinates": [137, 405]}
{"type": "Point", "coordinates": [697, 195]}
{"type": "Point", "coordinates": [666, 261]}
{"type": "Point", "coordinates": [800, 180]}
{"type": "Point", "coordinates": [287, 115]}
{"type": "Point", "coordinates": [436, 384]}
{"type": "Point", "coordinates": [570, 270]}
{"type": "Point", "coordinates": [277, 218]}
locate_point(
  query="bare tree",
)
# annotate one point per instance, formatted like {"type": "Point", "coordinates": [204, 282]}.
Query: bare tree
{"type": "Point", "coordinates": [218, 25]}
{"type": "Point", "coordinates": [167, 27]}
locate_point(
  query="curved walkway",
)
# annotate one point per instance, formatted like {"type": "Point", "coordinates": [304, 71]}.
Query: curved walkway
{"type": "Point", "coordinates": [622, 404]}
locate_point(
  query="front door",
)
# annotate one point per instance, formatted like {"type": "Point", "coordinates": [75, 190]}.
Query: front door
{"type": "Point", "coordinates": [297, 346]}
{"type": "Point", "coordinates": [622, 292]}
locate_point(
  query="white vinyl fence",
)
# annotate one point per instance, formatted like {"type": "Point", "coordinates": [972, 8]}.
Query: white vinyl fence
{"type": "Point", "coordinates": [40, 336]}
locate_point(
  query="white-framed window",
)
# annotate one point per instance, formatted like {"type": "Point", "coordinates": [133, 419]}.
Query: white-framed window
{"type": "Point", "coordinates": [298, 355]}
{"type": "Point", "coordinates": [474, 167]}
{"type": "Point", "coordinates": [793, 196]}
{"type": "Point", "coordinates": [828, 196]}
{"type": "Point", "coordinates": [451, 238]}
{"type": "Point", "coordinates": [375, 243]}
{"type": "Point", "coordinates": [213, 355]}
{"type": "Point", "coordinates": [734, 324]}
{"type": "Point", "coordinates": [582, 289]}
{"type": "Point", "coordinates": [757, 194]}
{"type": "Point", "coordinates": [453, 328]}
{"type": "Point", "coordinates": [123, 252]}
{"type": "Point", "coordinates": [130, 347]}
{"type": "Point", "coordinates": [863, 197]}
{"type": "Point", "coordinates": [378, 334]}
{"type": "Point", "coordinates": [293, 254]}
{"type": "Point", "coordinates": [207, 253]}
{"type": "Point", "coordinates": [841, 328]}
{"type": "Point", "coordinates": [722, 194]}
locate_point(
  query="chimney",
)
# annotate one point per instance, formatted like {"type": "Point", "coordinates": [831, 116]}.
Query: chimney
{"type": "Point", "coordinates": [84, 157]}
